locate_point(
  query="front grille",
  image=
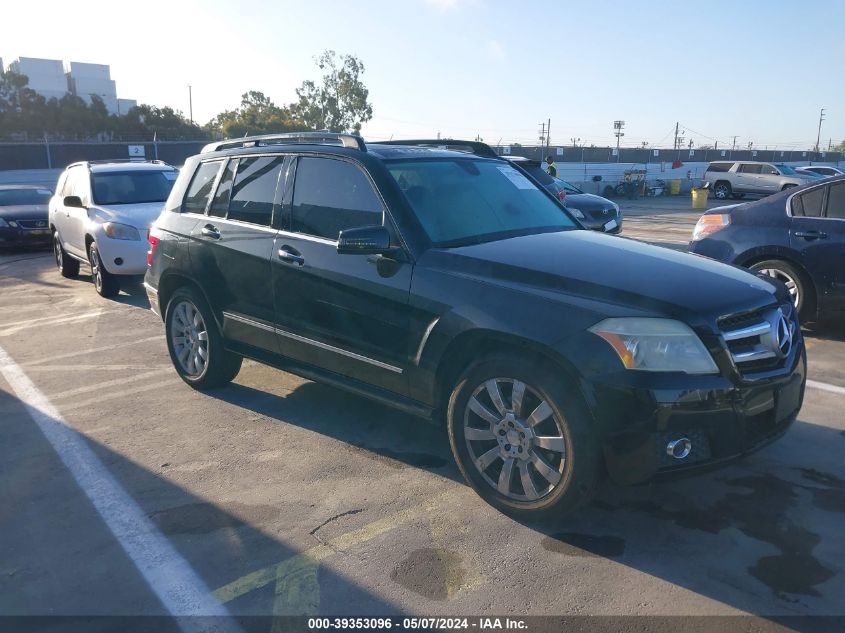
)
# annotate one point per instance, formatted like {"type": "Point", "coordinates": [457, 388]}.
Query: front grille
{"type": "Point", "coordinates": [600, 214]}
{"type": "Point", "coordinates": [759, 341]}
{"type": "Point", "coordinates": [32, 224]}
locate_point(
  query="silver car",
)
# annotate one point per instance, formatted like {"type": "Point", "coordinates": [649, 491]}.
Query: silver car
{"type": "Point", "coordinates": [734, 179]}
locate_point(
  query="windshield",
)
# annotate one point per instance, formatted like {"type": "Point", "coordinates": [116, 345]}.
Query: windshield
{"type": "Point", "coordinates": [132, 187]}
{"type": "Point", "coordinates": [12, 197]}
{"type": "Point", "coordinates": [786, 170]}
{"type": "Point", "coordinates": [567, 187]}
{"type": "Point", "coordinates": [466, 201]}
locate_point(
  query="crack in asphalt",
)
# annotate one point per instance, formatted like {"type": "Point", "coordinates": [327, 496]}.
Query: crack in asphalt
{"type": "Point", "coordinates": [329, 520]}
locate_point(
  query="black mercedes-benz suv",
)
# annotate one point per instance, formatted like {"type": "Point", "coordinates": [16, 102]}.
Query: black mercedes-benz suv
{"type": "Point", "coordinates": [445, 282]}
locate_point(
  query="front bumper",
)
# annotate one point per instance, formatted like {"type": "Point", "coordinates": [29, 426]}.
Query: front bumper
{"type": "Point", "coordinates": [604, 223]}
{"type": "Point", "coordinates": [722, 420]}
{"type": "Point", "coordinates": [11, 237]}
{"type": "Point", "coordinates": [123, 257]}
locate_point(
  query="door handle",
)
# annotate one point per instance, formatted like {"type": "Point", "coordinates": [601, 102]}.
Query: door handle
{"type": "Point", "coordinates": [209, 230]}
{"type": "Point", "coordinates": [811, 235]}
{"type": "Point", "coordinates": [290, 256]}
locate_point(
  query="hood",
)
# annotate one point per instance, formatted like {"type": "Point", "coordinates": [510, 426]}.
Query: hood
{"type": "Point", "coordinates": [141, 216]}
{"type": "Point", "coordinates": [613, 270]}
{"type": "Point", "coordinates": [24, 212]}
{"type": "Point", "coordinates": [587, 201]}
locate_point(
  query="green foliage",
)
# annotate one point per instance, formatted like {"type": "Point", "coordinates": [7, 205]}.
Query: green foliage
{"type": "Point", "coordinates": [340, 103]}
{"type": "Point", "coordinates": [257, 114]}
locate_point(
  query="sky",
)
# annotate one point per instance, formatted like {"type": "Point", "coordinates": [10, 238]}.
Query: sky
{"type": "Point", "coordinates": [758, 70]}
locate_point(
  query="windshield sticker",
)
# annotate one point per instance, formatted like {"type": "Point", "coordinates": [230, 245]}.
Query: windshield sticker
{"type": "Point", "coordinates": [520, 181]}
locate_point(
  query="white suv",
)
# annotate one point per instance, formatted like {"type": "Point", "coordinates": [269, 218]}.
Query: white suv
{"type": "Point", "coordinates": [101, 214]}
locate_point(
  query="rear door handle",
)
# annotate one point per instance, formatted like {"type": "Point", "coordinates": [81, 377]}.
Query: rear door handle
{"type": "Point", "coordinates": [811, 235]}
{"type": "Point", "coordinates": [290, 256]}
{"type": "Point", "coordinates": [209, 230]}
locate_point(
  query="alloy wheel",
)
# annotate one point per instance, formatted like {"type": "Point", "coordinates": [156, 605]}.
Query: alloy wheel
{"type": "Point", "coordinates": [57, 250]}
{"type": "Point", "coordinates": [189, 337]}
{"type": "Point", "coordinates": [721, 192]}
{"type": "Point", "coordinates": [791, 284]}
{"type": "Point", "coordinates": [515, 440]}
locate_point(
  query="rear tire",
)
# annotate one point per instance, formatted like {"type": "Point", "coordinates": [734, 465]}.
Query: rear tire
{"type": "Point", "coordinates": [195, 343]}
{"type": "Point", "coordinates": [106, 284]}
{"type": "Point", "coordinates": [722, 190]}
{"type": "Point", "coordinates": [533, 455]}
{"type": "Point", "coordinates": [67, 266]}
{"type": "Point", "coordinates": [800, 287]}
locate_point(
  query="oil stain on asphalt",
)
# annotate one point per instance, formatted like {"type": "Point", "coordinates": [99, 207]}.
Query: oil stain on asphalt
{"type": "Point", "coordinates": [430, 572]}
{"type": "Point", "coordinates": [762, 515]}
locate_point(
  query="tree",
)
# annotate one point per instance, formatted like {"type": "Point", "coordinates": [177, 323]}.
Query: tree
{"type": "Point", "coordinates": [257, 114]}
{"type": "Point", "coordinates": [340, 103]}
{"type": "Point", "coordinates": [840, 147]}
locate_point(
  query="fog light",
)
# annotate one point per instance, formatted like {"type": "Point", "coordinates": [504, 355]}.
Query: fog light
{"type": "Point", "coordinates": [118, 261]}
{"type": "Point", "coordinates": [679, 449]}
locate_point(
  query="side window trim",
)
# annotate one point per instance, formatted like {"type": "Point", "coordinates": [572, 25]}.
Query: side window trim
{"type": "Point", "coordinates": [217, 176]}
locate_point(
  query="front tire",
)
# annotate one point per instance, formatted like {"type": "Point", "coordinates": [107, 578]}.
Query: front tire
{"type": "Point", "coordinates": [722, 190]}
{"type": "Point", "coordinates": [106, 284]}
{"type": "Point", "coordinates": [67, 266]}
{"type": "Point", "coordinates": [195, 343]}
{"type": "Point", "coordinates": [522, 439]}
{"type": "Point", "coordinates": [800, 288]}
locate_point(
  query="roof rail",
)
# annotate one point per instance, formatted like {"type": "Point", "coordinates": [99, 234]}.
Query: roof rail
{"type": "Point", "coordinates": [106, 161]}
{"type": "Point", "coordinates": [473, 147]}
{"type": "Point", "coordinates": [351, 141]}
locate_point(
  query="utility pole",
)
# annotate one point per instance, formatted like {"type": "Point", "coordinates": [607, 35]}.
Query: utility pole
{"type": "Point", "coordinates": [190, 104]}
{"type": "Point", "coordinates": [819, 136]}
{"type": "Point", "coordinates": [548, 136]}
{"type": "Point", "coordinates": [618, 126]}
{"type": "Point", "coordinates": [575, 141]}
{"type": "Point", "coordinates": [675, 146]}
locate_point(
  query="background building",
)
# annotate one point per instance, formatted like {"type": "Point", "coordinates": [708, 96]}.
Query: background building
{"type": "Point", "coordinates": [49, 78]}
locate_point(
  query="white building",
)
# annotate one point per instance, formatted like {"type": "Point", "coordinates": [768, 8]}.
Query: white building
{"type": "Point", "coordinates": [49, 78]}
{"type": "Point", "coordinates": [46, 76]}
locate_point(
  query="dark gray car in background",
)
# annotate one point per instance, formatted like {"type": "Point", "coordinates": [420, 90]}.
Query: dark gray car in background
{"type": "Point", "coordinates": [594, 212]}
{"type": "Point", "coordinates": [23, 215]}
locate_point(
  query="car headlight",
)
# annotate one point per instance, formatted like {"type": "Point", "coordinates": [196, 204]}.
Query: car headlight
{"type": "Point", "coordinates": [121, 231]}
{"type": "Point", "coordinates": [709, 224]}
{"type": "Point", "coordinates": [616, 208]}
{"type": "Point", "coordinates": [576, 212]}
{"type": "Point", "coordinates": [650, 344]}
{"type": "Point", "coordinates": [3, 223]}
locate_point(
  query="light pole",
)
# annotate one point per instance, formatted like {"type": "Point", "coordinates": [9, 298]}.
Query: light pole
{"type": "Point", "coordinates": [190, 104]}
{"type": "Point", "coordinates": [819, 136]}
{"type": "Point", "coordinates": [617, 126]}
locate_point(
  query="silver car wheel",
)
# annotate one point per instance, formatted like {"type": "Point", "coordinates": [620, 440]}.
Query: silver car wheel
{"type": "Point", "coordinates": [515, 440]}
{"type": "Point", "coordinates": [791, 284]}
{"type": "Point", "coordinates": [721, 192]}
{"type": "Point", "coordinates": [96, 269]}
{"type": "Point", "coordinates": [57, 250]}
{"type": "Point", "coordinates": [189, 337]}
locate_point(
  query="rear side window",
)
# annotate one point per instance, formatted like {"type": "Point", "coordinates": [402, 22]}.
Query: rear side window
{"type": "Point", "coordinates": [809, 203]}
{"type": "Point", "coordinates": [750, 169]}
{"type": "Point", "coordinates": [255, 189]}
{"type": "Point", "coordinates": [768, 170]}
{"type": "Point", "coordinates": [836, 201]}
{"type": "Point", "coordinates": [199, 191]}
{"type": "Point", "coordinates": [330, 196]}
{"type": "Point", "coordinates": [719, 167]}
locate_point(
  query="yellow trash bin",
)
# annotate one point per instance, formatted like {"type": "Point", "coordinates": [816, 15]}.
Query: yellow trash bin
{"type": "Point", "coordinates": [674, 187]}
{"type": "Point", "coordinates": [699, 197]}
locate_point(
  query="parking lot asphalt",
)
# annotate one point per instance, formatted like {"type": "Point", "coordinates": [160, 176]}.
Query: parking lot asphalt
{"type": "Point", "coordinates": [283, 496]}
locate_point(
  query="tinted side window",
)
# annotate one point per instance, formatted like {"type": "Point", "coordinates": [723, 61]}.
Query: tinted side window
{"type": "Point", "coordinates": [719, 167]}
{"type": "Point", "coordinates": [811, 202]}
{"type": "Point", "coordinates": [750, 169]}
{"type": "Point", "coordinates": [836, 201]}
{"type": "Point", "coordinates": [255, 189]}
{"type": "Point", "coordinates": [768, 169]}
{"type": "Point", "coordinates": [220, 204]}
{"type": "Point", "coordinates": [199, 191]}
{"type": "Point", "coordinates": [330, 196]}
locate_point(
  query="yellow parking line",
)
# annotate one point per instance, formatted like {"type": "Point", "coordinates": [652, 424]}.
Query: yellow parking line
{"type": "Point", "coordinates": [295, 577]}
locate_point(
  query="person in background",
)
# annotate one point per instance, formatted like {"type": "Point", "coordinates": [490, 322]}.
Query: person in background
{"type": "Point", "coordinates": [551, 170]}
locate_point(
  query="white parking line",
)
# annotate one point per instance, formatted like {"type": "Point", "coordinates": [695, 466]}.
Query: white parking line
{"type": "Point", "coordinates": [171, 578]}
{"type": "Point", "coordinates": [93, 350]}
{"type": "Point", "coordinates": [13, 328]}
{"type": "Point", "coordinates": [106, 385]}
{"type": "Point", "coordinates": [815, 384]}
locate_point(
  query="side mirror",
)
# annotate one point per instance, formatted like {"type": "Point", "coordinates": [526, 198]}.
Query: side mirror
{"type": "Point", "coordinates": [365, 240]}
{"type": "Point", "coordinates": [73, 201]}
